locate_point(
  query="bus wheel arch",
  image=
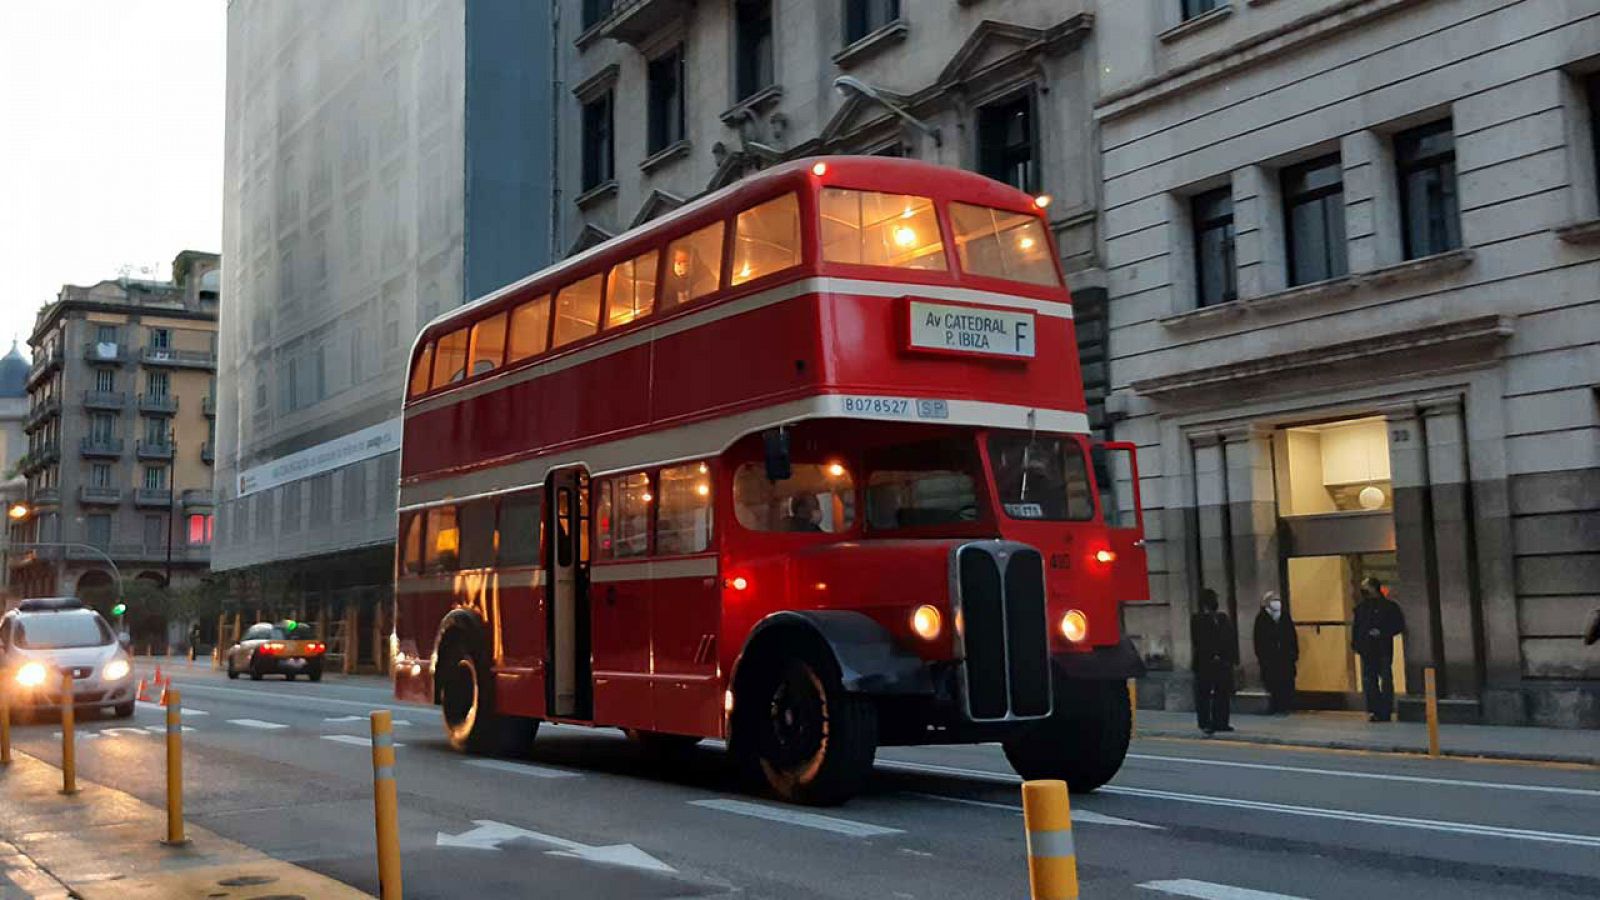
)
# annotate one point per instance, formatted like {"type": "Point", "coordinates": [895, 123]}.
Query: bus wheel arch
{"type": "Point", "coordinates": [800, 722]}
{"type": "Point", "coordinates": [463, 688]}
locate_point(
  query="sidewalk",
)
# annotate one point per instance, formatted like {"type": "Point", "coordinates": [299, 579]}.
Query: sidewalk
{"type": "Point", "coordinates": [1352, 731]}
{"type": "Point", "coordinates": [103, 843]}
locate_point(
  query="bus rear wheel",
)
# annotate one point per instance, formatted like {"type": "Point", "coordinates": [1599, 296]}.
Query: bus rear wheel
{"type": "Point", "coordinates": [466, 700]}
{"type": "Point", "coordinates": [800, 732]}
{"type": "Point", "coordinates": [1084, 740]}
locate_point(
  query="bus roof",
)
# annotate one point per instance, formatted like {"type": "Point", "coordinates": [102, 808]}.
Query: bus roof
{"type": "Point", "coordinates": [861, 172]}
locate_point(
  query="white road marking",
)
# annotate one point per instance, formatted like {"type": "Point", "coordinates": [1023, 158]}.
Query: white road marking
{"type": "Point", "coordinates": [352, 739]}
{"type": "Point", "coordinates": [519, 768]}
{"type": "Point", "coordinates": [124, 729]}
{"type": "Point", "coordinates": [340, 719]}
{"type": "Point", "coordinates": [84, 735]}
{"type": "Point", "coordinates": [489, 835]}
{"type": "Point", "coordinates": [1372, 776]}
{"type": "Point", "coordinates": [983, 774]}
{"type": "Point", "coordinates": [257, 723]}
{"type": "Point", "coordinates": [299, 699]}
{"type": "Point", "coordinates": [156, 707]}
{"type": "Point", "coordinates": [845, 827]}
{"type": "Point", "coordinates": [1079, 816]}
{"type": "Point", "coordinates": [162, 729]}
{"type": "Point", "coordinates": [1205, 890]}
{"type": "Point", "coordinates": [1466, 828]}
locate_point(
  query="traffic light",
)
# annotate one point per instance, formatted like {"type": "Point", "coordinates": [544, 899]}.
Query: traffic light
{"type": "Point", "coordinates": [119, 609]}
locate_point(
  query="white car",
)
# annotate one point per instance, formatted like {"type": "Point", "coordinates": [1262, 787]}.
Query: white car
{"type": "Point", "coordinates": [45, 637]}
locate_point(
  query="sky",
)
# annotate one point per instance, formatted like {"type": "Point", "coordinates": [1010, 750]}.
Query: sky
{"type": "Point", "coordinates": [111, 117]}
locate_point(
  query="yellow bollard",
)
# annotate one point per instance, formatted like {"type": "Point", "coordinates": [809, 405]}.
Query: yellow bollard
{"type": "Point", "coordinates": [5, 726]}
{"type": "Point", "coordinates": [1133, 706]}
{"type": "Point", "coordinates": [385, 805]}
{"type": "Point", "coordinates": [69, 749]}
{"type": "Point", "coordinates": [1052, 859]}
{"type": "Point", "coordinates": [174, 703]}
{"type": "Point", "coordinates": [1433, 711]}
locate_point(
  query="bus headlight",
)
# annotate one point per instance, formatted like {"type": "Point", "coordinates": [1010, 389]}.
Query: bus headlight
{"type": "Point", "coordinates": [926, 622]}
{"type": "Point", "coordinates": [31, 675]}
{"type": "Point", "coordinates": [1074, 626]}
{"type": "Point", "coordinates": [116, 670]}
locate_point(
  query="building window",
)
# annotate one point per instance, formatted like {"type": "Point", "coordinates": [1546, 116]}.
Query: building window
{"type": "Point", "coordinates": [98, 529]}
{"type": "Point", "coordinates": [1212, 214]}
{"type": "Point", "coordinates": [752, 46]}
{"type": "Point", "coordinates": [155, 478]}
{"type": "Point", "coordinates": [155, 532]}
{"type": "Point", "coordinates": [354, 499]}
{"type": "Point", "coordinates": [100, 475]}
{"type": "Point", "coordinates": [199, 530]}
{"type": "Point", "coordinates": [155, 431]}
{"type": "Point", "coordinates": [157, 385]}
{"type": "Point", "coordinates": [1429, 209]}
{"type": "Point", "coordinates": [599, 152]}
{"type": "Point", "coordinates": [321, 499]}
{"type": "Point", "coordinates": [665, 76]}
{"type": "Point", "coordinates": [863, 17]}
{"type": "Point", "coordinates": [102, 428]}
{"type": "Point", "coordinates": [105, 334]}
{"type": "Point", "coordinates": [1008, 142]}
{"type": "Point", "coordinates": [594, 11]}
{"type": "Point", "coordinates": [105, 380]}
{"type": "Point", "coordinates": [1592, 89]}
{"type": "Point", "coordinates": [160, 338]}
{"type": "Point", "coordinates": [1192, 8]}
{"type": "Point", "coordinates": [291, 507]}
{"type": "Point", "coordinates": [1313, 204]}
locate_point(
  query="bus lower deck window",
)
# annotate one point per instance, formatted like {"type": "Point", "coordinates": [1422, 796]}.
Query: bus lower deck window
{"type": "Point", "coordinates": [517, 529]}
{"type": "Point", "coordinates": [815, 498]}
{"type": "Point", "coordinates": [624, 517]}
{"type": "Point", "coordinates": [683, 518]}
{"type": "Point", "coordinates": [1003, 244]}
{"type": "Point", "coordinates": [873, 229]}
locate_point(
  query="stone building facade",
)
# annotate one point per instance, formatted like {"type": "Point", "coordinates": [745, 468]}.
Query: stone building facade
{"type": "Point", "coordinates": [665, 100]}
{"type": "Point", "coordinates": [121, 410]}
{"type": "Point", "coordinates": [1354, 272]}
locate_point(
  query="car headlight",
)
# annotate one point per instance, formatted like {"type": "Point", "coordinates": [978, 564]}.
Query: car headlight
{"type": "Point", "coordinates": [116, 670]}
{"type": "Point", "coordinates": [31, 674]}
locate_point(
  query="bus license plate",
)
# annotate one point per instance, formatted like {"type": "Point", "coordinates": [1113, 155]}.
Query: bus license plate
{"type": "Point", "coordinates": [896, 407]}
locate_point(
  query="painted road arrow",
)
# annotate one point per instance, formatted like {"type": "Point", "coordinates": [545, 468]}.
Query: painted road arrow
{"type": "Point", "coordinates": [489, 835]}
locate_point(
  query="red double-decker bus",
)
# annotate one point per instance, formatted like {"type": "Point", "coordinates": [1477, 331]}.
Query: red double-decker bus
{"type": "Point", "coordinates": [804, 464]}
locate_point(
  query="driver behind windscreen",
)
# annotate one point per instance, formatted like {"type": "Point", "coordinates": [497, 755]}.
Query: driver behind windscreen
{"type": "Point", "coordinates": [1028, 477]}
{"type": "Point", "coordinates": [804, 513]}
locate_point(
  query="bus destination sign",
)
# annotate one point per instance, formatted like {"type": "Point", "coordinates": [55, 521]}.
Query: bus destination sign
{"type": "Point", "coordinates": [946, 328]}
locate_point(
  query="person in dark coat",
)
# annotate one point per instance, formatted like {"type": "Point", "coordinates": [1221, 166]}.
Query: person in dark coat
{"type": "Point", "coordinates": [1278, 652]}
{"type": "Point", "coordinates": [1216, 652]}
{"type": "Point", "coordinates": [1377, 620]}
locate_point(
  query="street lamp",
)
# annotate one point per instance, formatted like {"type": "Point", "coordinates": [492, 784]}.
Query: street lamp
{"type": "Point", "coordinates": [846, 83]}
{"type": "Point", "coordinates": [18, 511]}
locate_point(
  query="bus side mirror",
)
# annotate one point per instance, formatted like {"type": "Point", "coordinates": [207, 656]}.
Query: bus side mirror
{"type": "Point", "coordinates": [775, 442]}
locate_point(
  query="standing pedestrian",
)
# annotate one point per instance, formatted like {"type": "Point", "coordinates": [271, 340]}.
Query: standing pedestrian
{"type": "Point", "coordinates": [1377, 620]}
{"type": "Point", "coordinates": [1277, 651]}
{"type": "Point", "coordinates": [1216, 651]}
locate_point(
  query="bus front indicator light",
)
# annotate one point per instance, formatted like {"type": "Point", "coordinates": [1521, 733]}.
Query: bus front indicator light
{"type": "Point", "coordinates": [926, 622]}
{"type": "Point", "coordinates": [738, 583]}
{"type": "Point", "coordinates": [1104, 557]}
{"type": "Point", "coordinates": [820, 169]}
{"type": "Point", "coordinates": [1074, 626]}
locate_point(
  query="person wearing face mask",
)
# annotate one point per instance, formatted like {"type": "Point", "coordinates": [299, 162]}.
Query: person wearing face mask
{"type": "Point", "coordinates": [1277, 651]}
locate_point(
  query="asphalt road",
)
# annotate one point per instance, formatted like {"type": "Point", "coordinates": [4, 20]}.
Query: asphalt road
{"type": "Point", "coordinates": [286, 767]}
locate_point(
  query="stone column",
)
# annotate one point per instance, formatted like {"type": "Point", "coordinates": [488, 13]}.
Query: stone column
{"type": "Point", "coordinates": [1449, 486]}
{"type": "Point", "coordinates": [1253, 520]}
{"type": "Point", "coordinates": [1413, 539]}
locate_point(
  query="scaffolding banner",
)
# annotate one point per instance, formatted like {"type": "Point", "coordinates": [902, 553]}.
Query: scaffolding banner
{"type": "Point", "coordinates": [374, 440]}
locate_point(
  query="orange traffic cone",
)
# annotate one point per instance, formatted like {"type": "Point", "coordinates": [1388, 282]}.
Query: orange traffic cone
{"type": "Point", "coordinates": [164, 695]}
{"type": "Point", "coordinates": [158, 673]}
{"type": "Point", "coordinates": [144, 691]}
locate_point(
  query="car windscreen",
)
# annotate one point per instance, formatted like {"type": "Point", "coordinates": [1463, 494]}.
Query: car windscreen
{"type": "Point", "coordinates": [1040, 477]}
{"type": "Point", "coordinates": [55, 632]}
{"type": "Point", "coordinates": [298, 631]}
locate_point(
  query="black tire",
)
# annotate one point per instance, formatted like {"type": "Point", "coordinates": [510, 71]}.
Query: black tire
{"type": "Point", "coordinates": [316, 674]}
{"type": "Point", "coordinates": [466, 696]}
{"type": "Point", "coordinates": [122, 710]}
{"type": "Point", "coordinates": [1083, 742]}
{"type": "Point", "coordinates": [661, 745]}
{"type": "Point", "coordinates": [797, 730]}
{"type": "Point", "coordinates": [257, 671]}
{"type": "Point", "coordinates": [232, 672]}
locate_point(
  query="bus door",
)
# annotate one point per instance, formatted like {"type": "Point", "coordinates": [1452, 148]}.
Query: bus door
{"type": "Point", "coordinates": [1116, 475]}
{"type": "Point", "coordinates": [567, 660]}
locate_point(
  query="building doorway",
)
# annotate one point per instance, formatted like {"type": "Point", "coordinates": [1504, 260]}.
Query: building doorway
{"type": "Point", "coordinates": [1323, 592]}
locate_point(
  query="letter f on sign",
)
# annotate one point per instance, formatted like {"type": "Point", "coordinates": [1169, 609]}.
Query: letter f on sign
{"type": "Point", "coordinates": [1022, 335]}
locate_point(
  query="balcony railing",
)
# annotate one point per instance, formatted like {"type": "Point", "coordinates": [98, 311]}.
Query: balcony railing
{"type": "Point", "coordinates": [165, 404]}
{"type": "Point", "coordinates": [95, 495]}
{"type": "Point", "coordinates": [105, 352]}
{"type": "Point", "coordinates": [208, 407]}
{"type": "Point", "coordinates": [115, 400]}
{"type": "Point", "coordinates": [41, 413]}
{"type": "Point", "coordinates": [153, 450]}
{"type": "Point", "coordinates": [103, 447]}
{"type": "Point", "coordinates": [198, 497]}
{"type": "Point", "coordinates": [44, 363]}
{"type": "Point", "coordinates": [47, 496]}
{"type": "Point", "coordinates": [152, 497]}
{"type": "Point", "coordinates": [208, 453]}
{"type": "Point", "coordinates": [168, 356]}
{"type": "Point", "coordinates": [39, 457]}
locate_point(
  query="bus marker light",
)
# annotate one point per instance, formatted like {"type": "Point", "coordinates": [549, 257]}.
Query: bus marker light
{"type": "Point", "coordinates": [1074, 626]}
{"type": "Point", "coordinates": [836, 470]}
{"type": "Point", "coordinates": [926, 622]}
{"type": "Point", "coordinates": [820, 169]}
{"type": "Point", "coordinates": [738, 582]}
{"type": "Point", "coordinates": [1042, 201]}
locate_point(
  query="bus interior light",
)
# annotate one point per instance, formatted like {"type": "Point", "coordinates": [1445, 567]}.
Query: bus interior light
{"type": "Point", "coordinates": [1074, 626]}
{"type": "Point", "coordinates": [925, 621]}
{"type": "Point", "coordinates": [904, 236]}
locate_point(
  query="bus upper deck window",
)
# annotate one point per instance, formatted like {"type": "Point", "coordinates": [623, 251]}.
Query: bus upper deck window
{"type": "Point", "coordinates": [530, 329]}
{"type": "Point", "coordinates": [450, 360]}
{"type": "Point", "coordinates": [873, 229]}
{"type": "Point", "coordinates": [766, 239]}
{"type": "Point", "coordinates": [577, 311]}
{"type": "Point", "coordinates": [631, 290]}
{"type": "Point", "coordinates": [419, 375]}
{"type": "Point", "coordinates": [488, 346]}
{"type": "Point", "coordinates": [1003, 244]}
{"type": "Point", "coordinates": [694, 266]}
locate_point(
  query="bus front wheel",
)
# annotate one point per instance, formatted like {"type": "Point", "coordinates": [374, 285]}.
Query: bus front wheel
{"type": "Point", "coordinates": [1084, 740]}
{"type": "Point", "coordinates": [466, 699]}
{"type": "Point", "coordinates": [800, 732]}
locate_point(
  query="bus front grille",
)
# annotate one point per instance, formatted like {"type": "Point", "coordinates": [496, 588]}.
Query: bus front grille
{"type": "Point", "coordinates": [999, 592]}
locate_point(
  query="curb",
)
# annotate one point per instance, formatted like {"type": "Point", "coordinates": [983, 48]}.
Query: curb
{"type": "Point", "coordinates": [1395, 749]}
